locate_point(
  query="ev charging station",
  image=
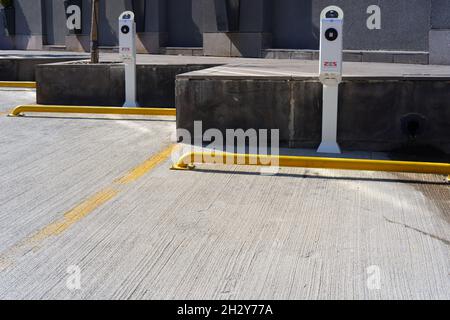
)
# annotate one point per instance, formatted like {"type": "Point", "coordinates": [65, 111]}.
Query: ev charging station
{"type": "Point", "coordinates": [331, 29]}
{"type": "Point", "coordinates": [127, 51]}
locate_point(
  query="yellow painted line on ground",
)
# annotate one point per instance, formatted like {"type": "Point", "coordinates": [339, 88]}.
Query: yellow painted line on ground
{"type": "Point", "coordinates": [146, 166]}
{"type": "Point", "coordinates": [74, 215]}
{"type": "Point", "coordinates": [19, 110]}
{"type": "Point", "coordinates": [18, 84]}
{"type": "Point", "coordinates": [82, 210]}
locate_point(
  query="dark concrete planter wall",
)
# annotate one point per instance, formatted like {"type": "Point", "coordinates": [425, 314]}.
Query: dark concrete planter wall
{"type": "Point", "coordinates": [222, 104]}
{"type": "Point", "coordinates": [13, 69]}
{"type": "Point", "coordinates": [8, 70]}
{"type": "Point", "coordinates": [374, 113]}
{"type": "Point", "coordinates": [371, 113]}
{"type": "Point", "coordinates": [67, 85]}
{"type": "Point", "coordinates": [9, 20]}
{"type": "Point", "coordinates": [103, 84]}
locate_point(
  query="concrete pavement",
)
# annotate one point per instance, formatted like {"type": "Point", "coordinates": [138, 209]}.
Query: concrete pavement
{"type": "Point", "coordinates": [96, 193]}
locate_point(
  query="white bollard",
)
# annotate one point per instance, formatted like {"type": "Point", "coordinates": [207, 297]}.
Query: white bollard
{"type": "Point", "coordinates": [330, 74]}
{"type": "Point", "coordinates": [329, 120]}
{"type": "Point", "coordinates": [127, 51]}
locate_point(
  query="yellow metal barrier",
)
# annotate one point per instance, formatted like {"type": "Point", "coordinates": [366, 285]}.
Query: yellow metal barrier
{"type": "Point", "coordinates": [18, 84]}
{"type": "Point", "coordinates": [187, 161]}
{"type": "Point", "coordinates": [93, 110]}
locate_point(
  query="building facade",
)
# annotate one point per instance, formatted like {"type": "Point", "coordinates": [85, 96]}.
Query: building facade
{"type": "Point", "coordinates": [419, 29]}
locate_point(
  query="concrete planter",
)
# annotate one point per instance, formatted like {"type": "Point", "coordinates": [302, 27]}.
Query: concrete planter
{"type": "Point", "coordinates": [104, 85]}
{"type": "Point", "coordinates": [23, 68]}
{"type": "Point", "coordinates": [67, 4]}
{"type": "Point", "coordinates": [9, 20]}
{"type": "Point", "coordinates": [228, 15]}
{"type": "Point", "coordinates": [386, 114]}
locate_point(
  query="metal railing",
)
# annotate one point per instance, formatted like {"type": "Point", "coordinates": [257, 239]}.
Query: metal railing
{"type": "Point", "coordinates": [188, 161]}
{"type": "Point", "coordinates": [18, 84]}
{"type": "Point", "coordinates": [20, 110]}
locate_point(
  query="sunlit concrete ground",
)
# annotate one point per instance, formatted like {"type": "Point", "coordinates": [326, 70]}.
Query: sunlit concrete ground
{"type": "Point", "coordinates": [95, 193]}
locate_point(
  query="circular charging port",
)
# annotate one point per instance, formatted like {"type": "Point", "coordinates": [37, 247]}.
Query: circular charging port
{"type": "Point", "coordinates": [125, 29]}
{"type": "Point", "coordinates": [331, 34]}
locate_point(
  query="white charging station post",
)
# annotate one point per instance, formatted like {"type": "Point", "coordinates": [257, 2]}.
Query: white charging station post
{"type": "Point", "coordinates": [127, 51]}
{"type": "Point", "coordinates": [331, 30]}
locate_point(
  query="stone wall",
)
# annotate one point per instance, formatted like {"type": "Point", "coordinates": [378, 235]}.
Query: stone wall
{"type": "Point", "coordinates": [412, 26]}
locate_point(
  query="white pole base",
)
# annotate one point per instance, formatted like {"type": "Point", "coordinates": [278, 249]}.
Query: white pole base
{"type": "Point", "coordinates": [330, 118]}
{"type": "Point", "coordinates": [130, 85]}
{"type": "Point", "coordinates": [329, 147]}
{"type": "Point", "coordinates": [131, 104]}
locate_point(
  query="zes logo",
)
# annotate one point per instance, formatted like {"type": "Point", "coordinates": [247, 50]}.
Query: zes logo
{"type": "Point", "coordinates": [330, 64]}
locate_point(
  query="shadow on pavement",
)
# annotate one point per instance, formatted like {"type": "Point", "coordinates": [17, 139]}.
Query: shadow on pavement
{"type": "Point", "coordinates": [97, 119]}
{"type": "Point", "coordinates": [309, 176]}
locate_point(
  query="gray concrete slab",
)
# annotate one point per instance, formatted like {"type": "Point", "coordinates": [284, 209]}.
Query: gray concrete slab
{"type": "Point", "coordinates": [221, 232]}
{"type": "Point", "coordinates": [269, 67]}
{"type": "Point", "coordinates": [305, 69]}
